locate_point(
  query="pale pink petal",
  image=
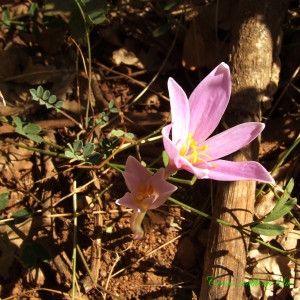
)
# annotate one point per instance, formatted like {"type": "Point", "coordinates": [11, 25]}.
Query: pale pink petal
{"type": "Point", "coordinates": [135, 174]}
{"type": "Point", "coordinates": [180, 111]}
{"type": "Point", "coordinates": [170, 147]}
{"type": "Point", "coordinates": [231, 171]}
{"type": "Point", "coordinates": [209, 101]}
{"type": "Point", "coordinates": [199, 172]}
{"type": "Point", "coordinates": [232, 139]}
{"type": "Point", "coordinates": [128, 201]}
{"type": "Point", "coordinates": [163, 189]}
{"type": "Point", "coordinates": [161, 186]}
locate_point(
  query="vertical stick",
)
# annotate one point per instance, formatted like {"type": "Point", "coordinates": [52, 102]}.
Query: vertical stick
{"type": "Point", "coordinates": [255, 71]}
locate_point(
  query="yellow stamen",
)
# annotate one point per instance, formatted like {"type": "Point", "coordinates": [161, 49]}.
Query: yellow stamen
{"type": "Point", "coordinates": [193, 153]}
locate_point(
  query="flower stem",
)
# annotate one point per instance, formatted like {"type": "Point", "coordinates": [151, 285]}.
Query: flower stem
{"type": "Point", "coordinates": [201, 213]}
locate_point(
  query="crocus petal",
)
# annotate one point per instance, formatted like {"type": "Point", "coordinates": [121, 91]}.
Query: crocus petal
{"type": "Point", "coordinates": [163, 189]}
{"type": "Point", "coordinates": [230, 171]}
{"type": "Point", "coordinates": [135, 174]}
{"type": "Point", "coordinates": [170, 146]}
{"type": "Point", "coordinates": [162, 186]}
{"type": "Point", "coordinates": [180, 111]}
{"type": "Point", "coordinates": [209, 101]}
{"type": "Point", "coordinates": [232, 139]}
{"type": "Point", "coordinates": [128, 201]}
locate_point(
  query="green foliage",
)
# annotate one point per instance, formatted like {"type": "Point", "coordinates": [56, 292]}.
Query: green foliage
{"type": "Point", "coordinates": [107, 146]}
{"type": "Point", "coordinates": [161, 30]}
{"type": "Point", "coordinates": [28, 130]}
{"type": "Point", "coordinates": [165, 158]}
{"type": "Point", "coordinates": [268, 229]}
{"type": "Point", "coordinates": [83, 152]}
{"type": "Point", "coordinates": [81, 14]}
{"type": "Point", "coordinates": [6, 17]}
{"type": "Point", "coordinates": [21, 215]}
{"type": "Point", "coordinates": [21, 21]}
{"type": "Point", "coordinates": [112, 108]}
{"type": "Point", "coordinates": [34, 252]}
{"type": "Point", "coordinates": [103, 117]}
{"type": "Point", "coordinates": [45, 98]}
{"type": "Point", "coordinates": [120, 133]}
{"type": "Point", "coordinates": [4, 198]}
{"type": "Point", "coordinates": [284, 205]}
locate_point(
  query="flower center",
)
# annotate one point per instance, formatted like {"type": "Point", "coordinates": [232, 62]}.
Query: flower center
{"type": "Point", "coordinates": [143, 193]}
{"type": "Point", "coordinates": [192, 152]}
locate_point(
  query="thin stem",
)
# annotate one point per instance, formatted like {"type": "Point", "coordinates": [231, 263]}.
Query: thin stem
{"type": "Point", "coordinates": [47, 152]}
{"type": "Point", "coordinates": [201, 213]}
{"type": "Point", "coordinates": [74, 241]}
{"type": "Point", "coordinates": [89, 63]}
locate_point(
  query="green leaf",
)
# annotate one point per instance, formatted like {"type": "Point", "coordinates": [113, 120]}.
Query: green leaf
{"type": "Point", "coordinates": [6, 18]}
{"type": "Point", "coordinates": [111, 104]}
{"type": "Point", "coordinates": [95, 158]}
{"type": "Point", "coordinates": [4, 199]}
{"type": "Point", "coordinates": [21, 215]}
{"type": "Point", "coordinates": [52, 99]}
{"type": "Point", "coordinates": [88, 149]}
{"type": "Point", "coordinates": [19, 125]}
{"type": "Point", "coordinates": [18, 122]}
{"type": "Point", "coordinates": [39, 91]}
{"type": "Point", "coordinates": [46, 95]}
{"type": "Point", "coordinates": [28, 256]}
{"type": "Point", "coordinates": [114, 110]}
{"type": "Point", "coordinates": [129, 135]}
{"type": "Point", "coordinates": [165, 158]}
{"type": "Point", "coordinates": [95, 11]}
{"type": "Point", "coordinates": [59, 105]}
{"type": "Point", "coordinates": [34, 137]}
{"type": "Point", "coordinates": [105, 118]}
{"type": "Point", "coordinates": [284, 204]}
{"type": "Point", "coordinates": [117, 132]}
{"type": "Point", "coordinates": [96, 17]}
{"type": "Point", "coordinates": [42, 102]}
{"type": "Point", "coordinates": [170, 5]}
{"type": "Point", "coordinates": [78, 145]}
{"type": "Point", "coordinates": [20, 27]}
{"type": "Point", "coordinates": [34, 95]}
{"type": "Point", "coordinates": [32, 128]}
{"type": "Point", "coordinates": [41, 252]}
{"type": "Point", "coordinates": [33, 10]}
{"type": "Point", "coordinates": [268, 229]}
{"type": "Point", "coordinates": [278, 213]}
{"type": "Point", "coordinates": [34, 252]}
{"type": "Point", "coordinates": [161, 30]}
{"type": "Point", "coordinates": [69, 154]}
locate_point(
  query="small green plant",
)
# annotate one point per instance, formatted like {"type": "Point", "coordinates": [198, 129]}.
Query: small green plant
{"type": "Point", "coordinates": [81, 15]}
{"type": "Point", "coordinates": [21, 21]}
{"type": "Point", "coordinates": [82, 152]}
{"type": "Point", "coordinates": [103, 117]}
{"type": "Point", "coordinates": [31, 131]}
{"type": "Point", "coordinates": [44, 97]}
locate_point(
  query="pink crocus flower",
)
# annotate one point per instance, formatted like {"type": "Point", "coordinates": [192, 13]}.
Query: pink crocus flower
{"type": "Point", "coordinates": [146, 192]}
{"type": "Point", "coordinates": [194, 120]}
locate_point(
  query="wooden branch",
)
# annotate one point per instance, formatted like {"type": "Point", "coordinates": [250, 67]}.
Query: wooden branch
{"type": "Point", "coordinates": [255, 70]}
